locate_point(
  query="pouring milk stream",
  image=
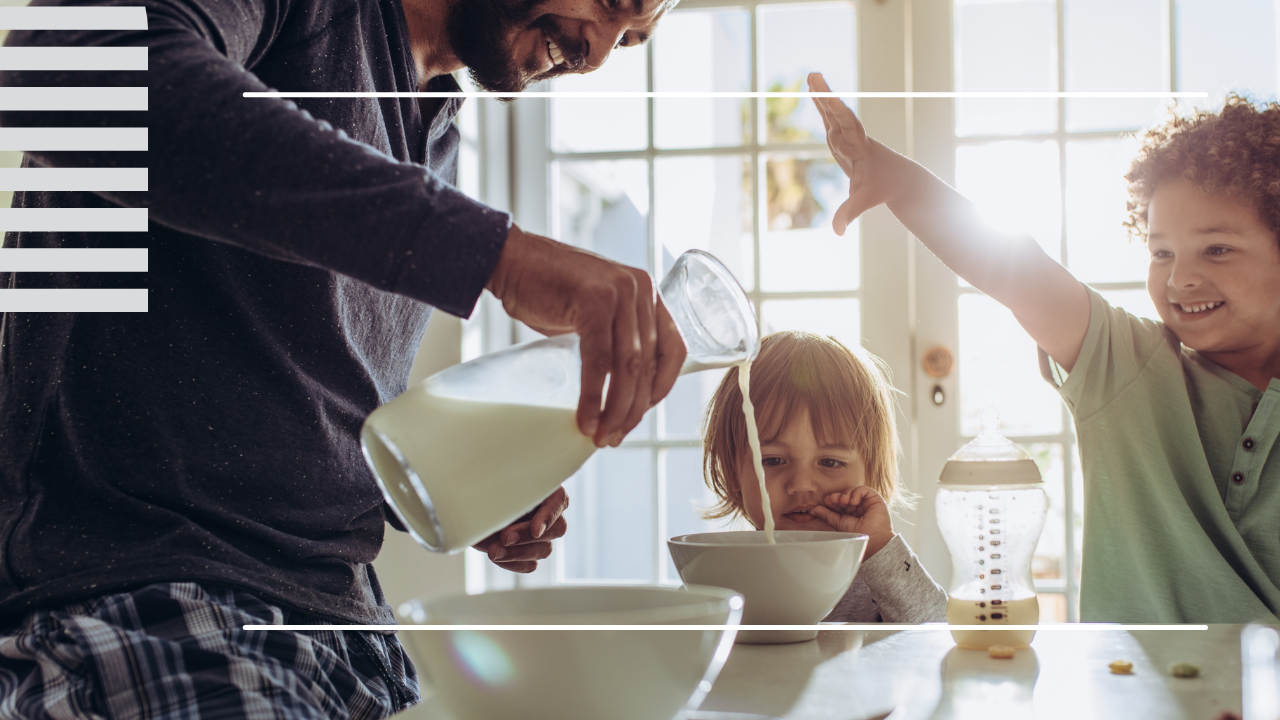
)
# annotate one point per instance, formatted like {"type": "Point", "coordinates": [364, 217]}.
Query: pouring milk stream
{"type": "Point", "coordinates": [469, 450]}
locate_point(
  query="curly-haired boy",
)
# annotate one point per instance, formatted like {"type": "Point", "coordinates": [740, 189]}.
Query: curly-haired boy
{"type": "Point", "coordinates": [1177, 419]}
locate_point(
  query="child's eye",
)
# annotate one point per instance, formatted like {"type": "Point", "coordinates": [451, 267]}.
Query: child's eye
{"type": "Point", "coordinates": [1218, 251]}
{"type": "Point", "coordinates": [772, 461]}
{"type": "Point", "coordinates": [832, 463]}
{"type": "Point", "coordinates": [1161, 254]}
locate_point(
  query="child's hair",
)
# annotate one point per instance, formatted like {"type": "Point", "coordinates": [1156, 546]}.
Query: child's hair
{"type": "Point", "coordinates": [848, 396]}
{"type": "Point", "coordinates": [1234, 152]}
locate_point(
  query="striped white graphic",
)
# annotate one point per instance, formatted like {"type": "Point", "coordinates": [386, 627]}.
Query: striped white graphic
{"type": "Point", "coordinates": [73, 58]}
{"type": "Point", "coordinates": [73, 18]}
{"type": "Point", "coordinates": [73, 300]}
{"type": "Point", "coordinates": [73, 259]}
{"type": "Point", "coordinates": [74, 179]}
{"type": "Point", "coordinates": [73, 138]}
{"type": "Point", "coordinates": [73, 220]}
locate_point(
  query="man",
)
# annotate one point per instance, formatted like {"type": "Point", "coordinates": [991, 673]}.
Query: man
{"type": "Point", "coordinates": [168, 477]}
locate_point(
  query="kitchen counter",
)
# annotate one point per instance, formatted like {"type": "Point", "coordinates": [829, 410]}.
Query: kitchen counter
{"type": "Point", "coordinates": [863, 674]}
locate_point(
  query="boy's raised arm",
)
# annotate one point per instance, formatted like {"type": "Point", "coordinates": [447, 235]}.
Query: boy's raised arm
{"type": "Point", "coordinates": [1050, 304]}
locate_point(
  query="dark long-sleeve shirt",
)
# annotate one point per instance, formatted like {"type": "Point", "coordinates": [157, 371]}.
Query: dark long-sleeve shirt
{"type": "Point", "coordinates": [294, 254]}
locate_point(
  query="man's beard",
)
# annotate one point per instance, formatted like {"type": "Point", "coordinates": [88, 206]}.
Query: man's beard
{"type": "Point", "coordinates": [479, 32]}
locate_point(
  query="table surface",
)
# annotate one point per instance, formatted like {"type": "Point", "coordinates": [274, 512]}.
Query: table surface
{"type": "Point", "coordinates": [864, 674]}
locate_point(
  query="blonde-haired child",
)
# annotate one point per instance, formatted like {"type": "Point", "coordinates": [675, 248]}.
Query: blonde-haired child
{"type": "Point", "coordinates": [1177, 420]}
{"type": "Point", "coordinates": [826, 422]}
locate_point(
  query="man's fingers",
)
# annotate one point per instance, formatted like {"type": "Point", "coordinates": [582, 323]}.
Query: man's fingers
{"type": "Point", "coordinates": [625, 370]}
{"type": "Point", "coordinates": [647, 331]}
{"type": "Point", "coordinates": [670, 354]}
{"type": "Point", "coordinates": [522, 534]}
{"type": "Point", "coordinates": [548, 512]}
{"type": "Point", "coordinates": [523, 568]}
{"type": "Point", "coordinates": [597, 360]}
{"type": "Point", "coordinates": [539, 550]}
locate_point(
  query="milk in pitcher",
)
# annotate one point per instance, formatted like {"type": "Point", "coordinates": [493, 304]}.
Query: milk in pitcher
{"type": "Point", "coordinates": [466, 456]}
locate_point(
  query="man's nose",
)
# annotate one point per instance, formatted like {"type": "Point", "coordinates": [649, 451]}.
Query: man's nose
{"type": "Point", "coordinates": [602, 38]}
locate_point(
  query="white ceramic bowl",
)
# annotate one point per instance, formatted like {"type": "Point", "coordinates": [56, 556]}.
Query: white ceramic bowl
{"type": "Point", "coordinates": [574, 674]}
{"type": "Point", "coordinates": [796, 581]}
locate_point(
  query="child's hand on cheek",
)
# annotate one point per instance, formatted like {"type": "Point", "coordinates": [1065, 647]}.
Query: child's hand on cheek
{"type": "Point", "coordinates": [860, 510]}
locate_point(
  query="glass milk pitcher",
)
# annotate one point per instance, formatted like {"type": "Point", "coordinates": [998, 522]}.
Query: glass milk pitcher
{"type": "Point", "coordinates": [469, 450]}
{"type": "Point", "coordinates": [991, 509]}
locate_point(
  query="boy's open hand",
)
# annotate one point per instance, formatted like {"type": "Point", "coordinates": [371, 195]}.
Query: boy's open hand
{"type": "Point", "coordinates": [519, 546]}
{"type": "Point", "coordinates": [860, 510]}
{"type": "Point", "coordinates": [852, 149]}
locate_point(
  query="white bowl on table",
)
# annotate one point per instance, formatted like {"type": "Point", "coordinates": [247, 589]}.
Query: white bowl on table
{"type": "Point", "coordinates": [796, 581]}
{"type": "Point", "coordinates": [619, 674]}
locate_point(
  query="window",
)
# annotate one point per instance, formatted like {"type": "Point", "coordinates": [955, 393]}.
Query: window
{"type": "Point", "coordinates": [751, 181]}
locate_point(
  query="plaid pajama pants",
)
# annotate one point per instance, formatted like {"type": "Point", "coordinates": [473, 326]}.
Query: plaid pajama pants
{"type": "Point", "coordinates": [177, 651]}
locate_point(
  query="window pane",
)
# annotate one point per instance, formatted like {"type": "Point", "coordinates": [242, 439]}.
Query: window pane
{"type": "Point", "coordinates": [1136, 302]}
{"type": "Point", "coordinates": [797, 40]}
{"type": "Point", "coordinates": [603, 206]}
{"type": "Point", "coordinates": [589, 124]}
{"type": "Point", "coordinates": [1006, 47]}
{"type": "Point", "coordinates": [1226, 45]}
{"type": "Point", "coordinates": [687, 495]}
{"type": "Point", "coordinates": [610, 518]}
{"type": "Point", "coordinates": [702, 51]}
{"type": "Point", "coordinates": [705, 203]}
{"type": "Point", "coordinates": [1051, 550]}
{"type": "Point", "coordinates": [837, 318]}
{"type": "Point", "coordinates": [799, 251]}
{"type": "Point", "coordinates": [999, 369]}
{"type": "Point", "coordinates": [1098, 245]}
{"type": "Point", "coordinates": [1114, 46]}
{"type": "Point", "coordinates": [1015, 186]}
{"type": "Point", "coordinates": [686, 404]}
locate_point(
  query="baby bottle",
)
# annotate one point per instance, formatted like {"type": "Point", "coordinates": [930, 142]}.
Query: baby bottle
{"type": "Point", "coordinates": [991, 509]}
{"type": "Point", "coordinates": [469, 450]}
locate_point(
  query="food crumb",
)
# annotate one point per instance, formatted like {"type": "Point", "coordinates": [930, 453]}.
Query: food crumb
{"type": "Point", "coordinates": [1121, 667]}
{"type": "Point", "coordinates": [1184, 670]}
{"type": "Point", "coordinates": [1003, 652]}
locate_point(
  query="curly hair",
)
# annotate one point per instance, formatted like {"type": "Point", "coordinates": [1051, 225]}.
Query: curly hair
{"type": "Point", "coordinates": [846, 392]}
{"type": "Point", "coordinates": [1233, 152]}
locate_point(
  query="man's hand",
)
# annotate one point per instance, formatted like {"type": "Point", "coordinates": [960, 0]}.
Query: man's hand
{"type": "Point", "coordinates": [852, 150]}
{"type": "Point", "coordinates": [519, 546]}
{"type": "Point", "coordinates": [626, 332]}
{"type": "Point", "coordinates": [860, 510]}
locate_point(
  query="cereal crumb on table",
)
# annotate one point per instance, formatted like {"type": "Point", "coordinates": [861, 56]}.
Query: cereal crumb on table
{"type": "Point", "coordinates": [1003, 652]}
{"type": "Point", "coordinates": [1121, 667]}
{"type": "Point", "coordinates": [1184, 670]}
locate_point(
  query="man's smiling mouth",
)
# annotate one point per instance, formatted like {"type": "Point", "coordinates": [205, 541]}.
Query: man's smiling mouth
{"type": "Point", "coordinates": [553, 50]}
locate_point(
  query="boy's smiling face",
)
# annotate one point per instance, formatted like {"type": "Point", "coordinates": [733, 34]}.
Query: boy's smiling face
{"type": "Point", "coordinates": [799, 473]}
{"type": "Point", "coordinates": [1215, 276]}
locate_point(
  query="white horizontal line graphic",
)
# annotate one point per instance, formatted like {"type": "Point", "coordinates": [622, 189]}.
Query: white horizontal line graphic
{"type": "Point", "coordinates": [73, 18]}
{"type": "Point", "coordinates": [729, 95]}
{"type": "Point", "coordinates": [1069, 627]}
{"type": "Point", "coordinates": [73, 98]}
{"type": "Point", "coordinates": [73, 138]}
{"type": "Point", "coordinates": [73, 300]}
{"type": "Point", "coordinates": [73, 259]}
{"type": "Point", "coordinates": [72, 179]}
{"type": "Point", "coordinates": [73, 58]}
{"type": "Point", "coordinates": [73, 219]}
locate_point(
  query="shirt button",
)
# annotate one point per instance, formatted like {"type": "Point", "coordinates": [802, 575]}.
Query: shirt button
{"type": "Point", "coordinates": [1248, 443]}
{"type": "Point", "coordinates": [1237, 478]}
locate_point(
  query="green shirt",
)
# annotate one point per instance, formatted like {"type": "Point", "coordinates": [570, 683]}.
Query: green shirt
{"type": "Point", "coordinates": [1181, 492]}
